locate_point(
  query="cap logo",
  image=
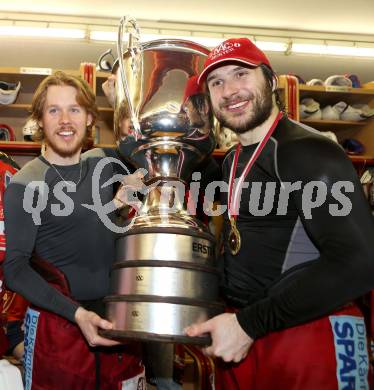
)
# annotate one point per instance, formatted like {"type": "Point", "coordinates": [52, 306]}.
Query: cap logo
{"type": "Point", "coordinates": [223, 49]}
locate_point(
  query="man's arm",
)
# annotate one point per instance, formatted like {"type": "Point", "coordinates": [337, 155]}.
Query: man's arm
{"type": "Point", "coordinates": [343, 272]}
{"type": "Point", "coordinates": [21, 232]}
{"type": "Point", "coordinates": [343, 236]}
{"type": "Point", "coordinates": [124, 169]}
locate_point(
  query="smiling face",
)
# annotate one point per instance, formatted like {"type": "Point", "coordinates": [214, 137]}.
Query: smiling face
{"type": "Point", "coordinates": [241, 97]}
{"type": "Point", "coordinates": [64, 124]}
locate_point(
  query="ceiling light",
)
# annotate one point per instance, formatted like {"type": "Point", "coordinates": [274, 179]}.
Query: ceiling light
{"type": "Point", "coordinates": [308, 48]}
{"type": "Point", "coordinates": [337, 50]}
{"type": "Point", "coordinates": [272, 46]}
{"type": "Point", "coordinates": [110, 36]}
{"type": "Point", "coordinates": [43, 32]}
{"type": "Point", "coordinates": [206, 41]}
{"type": "Point", "coordinates": [286, 42]}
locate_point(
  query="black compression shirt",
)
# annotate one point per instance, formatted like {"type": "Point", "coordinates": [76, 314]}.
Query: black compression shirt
{"type": "Point", "coordinates": [79, 245]}
{"type": "Point", "coordinates": [298, 263]}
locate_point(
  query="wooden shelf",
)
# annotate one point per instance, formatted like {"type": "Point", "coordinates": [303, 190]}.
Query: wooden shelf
{"type": "Point", "coordinates": [106, 109]}
{"type": "Point", "coordinates": [332, 124]}
{"type": "Point", "coordinates": [29, 77]}
{"type": "Point", "coordinates": [17, 110]}
{"type": "Point", "coordinates": [16, 146]}
{"type": "Point", "coordinates": [33, 148]}
{"type": "Point", "coordinates": [20, 147]}
{"type": "Point", "coordinates": [106, 112]}
{"type": "Point", "coordinates": [103, 74]}
{"type": "Point", "coordinates": [16, 106]}
{"type": "Point", "coordinates": [34, 71]}
{"type": "Point", "coordinates": [337, 90]}
{"type": "Point", "coordinates": [326, 96]}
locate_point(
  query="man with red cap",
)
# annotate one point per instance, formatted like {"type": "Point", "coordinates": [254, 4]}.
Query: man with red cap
{"type": "Point", "coordinates": [298, 247]}
{"type": "Point", "coordinates": [196, 106]}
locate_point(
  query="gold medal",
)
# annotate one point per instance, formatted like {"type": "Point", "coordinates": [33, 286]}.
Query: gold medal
{"type": "Point", "coordinates": [234, 239]}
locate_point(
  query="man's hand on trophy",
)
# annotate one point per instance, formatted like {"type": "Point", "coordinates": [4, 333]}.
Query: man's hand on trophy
{"type": "Point", "coordinates": [126, 194]}
{"type": "Point", "coordinates": [229, 341]}
{"type": "Point", "coordinates": [89, 324]}
{"type": "Point", "coordinates": [109, 89]}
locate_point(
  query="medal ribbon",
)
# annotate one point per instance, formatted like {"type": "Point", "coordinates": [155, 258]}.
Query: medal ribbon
{"type": "Point", "coordinates": [233, 194]}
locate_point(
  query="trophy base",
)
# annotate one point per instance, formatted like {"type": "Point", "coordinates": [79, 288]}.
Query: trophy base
{"type": "Point", "coordinates": [163, 280]}
{"type": "Point", "coordinates": [125, 335]}
{"type": "Point", "coordinates": [158, 318]}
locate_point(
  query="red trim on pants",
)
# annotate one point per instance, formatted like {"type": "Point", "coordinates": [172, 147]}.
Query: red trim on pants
{"type": "Point", "coordinates": [298, 358]}
{"type": "Point", "coordinates": [63, 360]}
{"type": "Point", "coordinates": [58, 355]}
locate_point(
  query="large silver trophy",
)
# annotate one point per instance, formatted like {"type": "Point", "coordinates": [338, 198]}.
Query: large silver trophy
{"type": "Point", "coordinates": [163, 278]}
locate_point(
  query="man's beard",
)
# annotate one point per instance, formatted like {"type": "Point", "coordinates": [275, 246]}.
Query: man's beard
{"type": "Point", "coordinates": [65, 152]}
{"type": "Point", "coordinates": [262, 105]}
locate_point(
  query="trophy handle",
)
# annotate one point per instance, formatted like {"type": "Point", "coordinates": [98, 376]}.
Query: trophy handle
{"type": "Point", "coordinates": [133, 48]}
{"type": "Point", "coordinates": [103, 63]}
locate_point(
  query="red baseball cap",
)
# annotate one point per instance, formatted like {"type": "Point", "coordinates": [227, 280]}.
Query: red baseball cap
{"type": "Point", "coordinates": [240, 50]}
{"type": "Point", "coordinates": [192, 88]}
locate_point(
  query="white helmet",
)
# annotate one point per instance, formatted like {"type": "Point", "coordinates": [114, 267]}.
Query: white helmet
{"type": "Point", "coordinates": [9, 92]}
{"type": "Point", "coordinates": [309, 108]}
{"type": "Point", "coordinates": [339, 80]}
{"type": "Point", "coordinates": [29, 129]}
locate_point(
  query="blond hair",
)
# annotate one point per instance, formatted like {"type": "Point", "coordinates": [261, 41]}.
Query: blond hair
{"type": "Point", "coordinates": [85, 98]}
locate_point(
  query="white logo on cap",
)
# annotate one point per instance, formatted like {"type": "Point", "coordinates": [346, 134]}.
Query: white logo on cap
{"type": "Point", "coordinates": [222, 49]}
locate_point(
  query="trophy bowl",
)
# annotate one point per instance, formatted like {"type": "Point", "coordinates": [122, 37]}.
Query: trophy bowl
{"type": "Point", "coordinates": [164, 276]}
